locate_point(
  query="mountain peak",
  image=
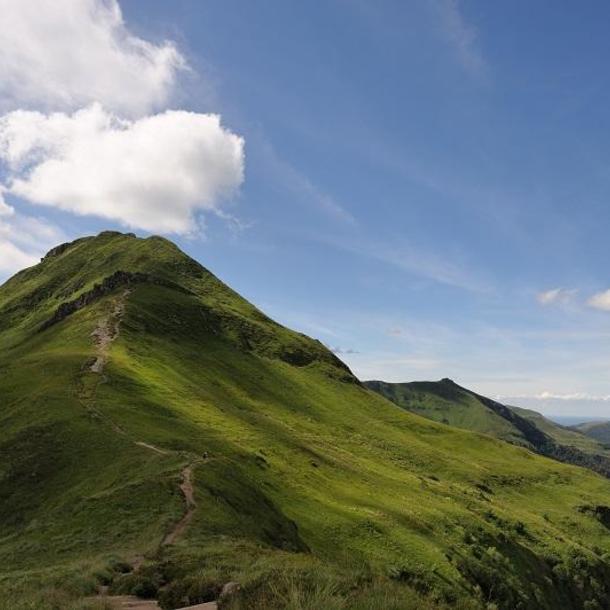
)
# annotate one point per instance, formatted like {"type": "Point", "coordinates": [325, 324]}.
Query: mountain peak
{"type": "Point", "coordinates": [75, 275]}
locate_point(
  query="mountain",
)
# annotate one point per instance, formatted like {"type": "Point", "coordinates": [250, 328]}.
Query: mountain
{"type": "Point", "coordinates": [599, 431]}
{"type": "Point", "coordinates": [564, 435]}
{"type": "Point", "coordinates": [161, 436]}
{"type": "Point", "coordinates": [447, 402]}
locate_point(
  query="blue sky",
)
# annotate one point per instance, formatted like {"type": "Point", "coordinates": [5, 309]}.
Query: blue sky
{"type": "Point", "coordinates": [424, 186]}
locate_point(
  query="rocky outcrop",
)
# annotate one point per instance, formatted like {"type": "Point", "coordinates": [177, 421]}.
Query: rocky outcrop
{"type": "Point", "coordinates": [106, 286]}
{"type": "Point", "coordinates": [58, 250]}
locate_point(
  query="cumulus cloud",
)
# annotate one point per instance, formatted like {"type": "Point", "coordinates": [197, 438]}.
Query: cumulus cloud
{"type": "Point", "coordinates": [152, 173]}
{"type": "Point", "coordinates": [555, 295]}
{"type": "Point", "coordinates": [65, 54]}
{"type": "Point", "coordinates": [601, 300]}
{"type": "Point", "coordinates": [86, 128]}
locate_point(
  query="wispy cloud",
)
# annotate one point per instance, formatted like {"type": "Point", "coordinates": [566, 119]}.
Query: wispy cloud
{"type": "Point", "coordinates": [414, 260]}
{"type": "Point", "coordinates": [299, 184]}
{"type": "Point", "coordinates": [23, 240]}
{"type": "Point", "coordinates": [601, 300]}
{"type": "Point", "coordinates": [555, 295]}
{"type": "Point", "coordinates": [461, 35]}
{"type": "Point", "coordinates": [574, 396]}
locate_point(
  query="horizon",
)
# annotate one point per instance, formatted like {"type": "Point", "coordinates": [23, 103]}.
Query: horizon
{"type": "Point", "coordinates": [396, 181]}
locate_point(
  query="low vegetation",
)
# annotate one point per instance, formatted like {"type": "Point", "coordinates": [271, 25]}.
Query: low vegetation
{"type": "Point", "coordinates": [310, 490]}
{"type": "Point", "coordinates": [446, 402]}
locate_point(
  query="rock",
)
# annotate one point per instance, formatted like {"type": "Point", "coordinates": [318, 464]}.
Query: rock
{"type": "Point", "coordinates": [108, 285]}
{"type": "Point", "coordinates": [228, 590]}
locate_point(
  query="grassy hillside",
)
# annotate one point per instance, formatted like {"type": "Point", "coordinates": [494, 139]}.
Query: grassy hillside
{"type": "Point", "coordinates": [445, 401]}
{"type": "Point", "coordinates": [599, 431]}
{"type": "Point", "coordinates": [572, 437]}
{"type": "Point", "coordinates": [129, 373]}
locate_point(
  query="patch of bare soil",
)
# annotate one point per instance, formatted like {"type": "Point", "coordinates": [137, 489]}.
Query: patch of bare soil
{"type": "Point", "coordinates": [187, 491]}
{"type": "Point", "coordinates": [106, 331]}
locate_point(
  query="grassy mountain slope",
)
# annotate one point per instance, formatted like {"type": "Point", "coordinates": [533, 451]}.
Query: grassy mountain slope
{"type": "Point", "coordinates": [562, 434]}
{"type": "Point", "coordinates": [307, 486]}
{"type": "Point", "coordinates": [446, 402]}
{"type": "Point", "coordinates": [599, 431]}
{"type": "Point", "coordinates": [449, 403]}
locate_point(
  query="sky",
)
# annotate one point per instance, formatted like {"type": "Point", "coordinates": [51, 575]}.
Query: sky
{"type": "Point", "coordinates": [424, 186]}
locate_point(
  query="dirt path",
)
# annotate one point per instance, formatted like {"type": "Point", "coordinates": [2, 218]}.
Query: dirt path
{"type": "Point", "coordinates": [106, 331]}
{"type": "Point", "coordinates": [186, 487]}
{"type": "Point", "coordinates": [152, 448]}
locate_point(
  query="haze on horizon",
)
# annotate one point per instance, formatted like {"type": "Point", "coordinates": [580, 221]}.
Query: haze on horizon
{"type": "Point", "coordinates": [422, 186]}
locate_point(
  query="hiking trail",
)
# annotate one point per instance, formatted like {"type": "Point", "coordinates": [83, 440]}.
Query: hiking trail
{"type": "Point", "coordinates": [104, 334]}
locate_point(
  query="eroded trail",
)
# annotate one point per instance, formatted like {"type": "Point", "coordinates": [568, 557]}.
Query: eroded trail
{"type": "Point", "coordinates": [186, 487]}
{"type": "Point", "coordinates": [106, 331]}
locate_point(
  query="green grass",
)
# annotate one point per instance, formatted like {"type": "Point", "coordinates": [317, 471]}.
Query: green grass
{"type": "Point", "coordinates": [597, 431]}
{"type": "Point", "coordinates": [447, 403]}
{"type": "Point", "coordinates": [310, 488]}
{"type": "Point", "coordinates": [564, 435]}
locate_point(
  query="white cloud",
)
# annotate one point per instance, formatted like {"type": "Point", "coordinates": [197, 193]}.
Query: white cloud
{"type": "Point", "coordinates": [5, 208]}
{"type": "Point", "coordinates": [152, 173]}
{"type": "Point", "coordinates": [13, 258]}
{"type": "Point", "coordinates": [24, 240]}
{"type": "Point", "coordinates": [575, 396]}
{"type": "Point", "coordinates": [601, 300]}
{"type": "Point", "coordinates": [64, 54]}
{"type": "Point", "coordinates": [555, 295]}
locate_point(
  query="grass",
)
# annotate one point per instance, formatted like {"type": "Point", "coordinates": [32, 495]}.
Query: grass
{"type": "Point", "coordinates": [447, 403]}
{"type": "Point", "coordinates": [564, 435]}
{"type": "Point", "coordinates": [310, 488]}
{"type": "Point", "coordinates": [598, 431]}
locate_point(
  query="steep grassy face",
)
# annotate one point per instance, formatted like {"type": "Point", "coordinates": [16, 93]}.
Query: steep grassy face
{"type": "Point", "coordinates": [445, 401]}
{"type": "Point", "coordinates": [307, 488]}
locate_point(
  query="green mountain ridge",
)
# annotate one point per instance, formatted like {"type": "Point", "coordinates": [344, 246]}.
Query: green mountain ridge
{"type": "Point", "coordinates": [599, 431]}
{"type": "Point", "coordinates": [162, 436]}
{"type": "Point", "coordinates": [447, 402]}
